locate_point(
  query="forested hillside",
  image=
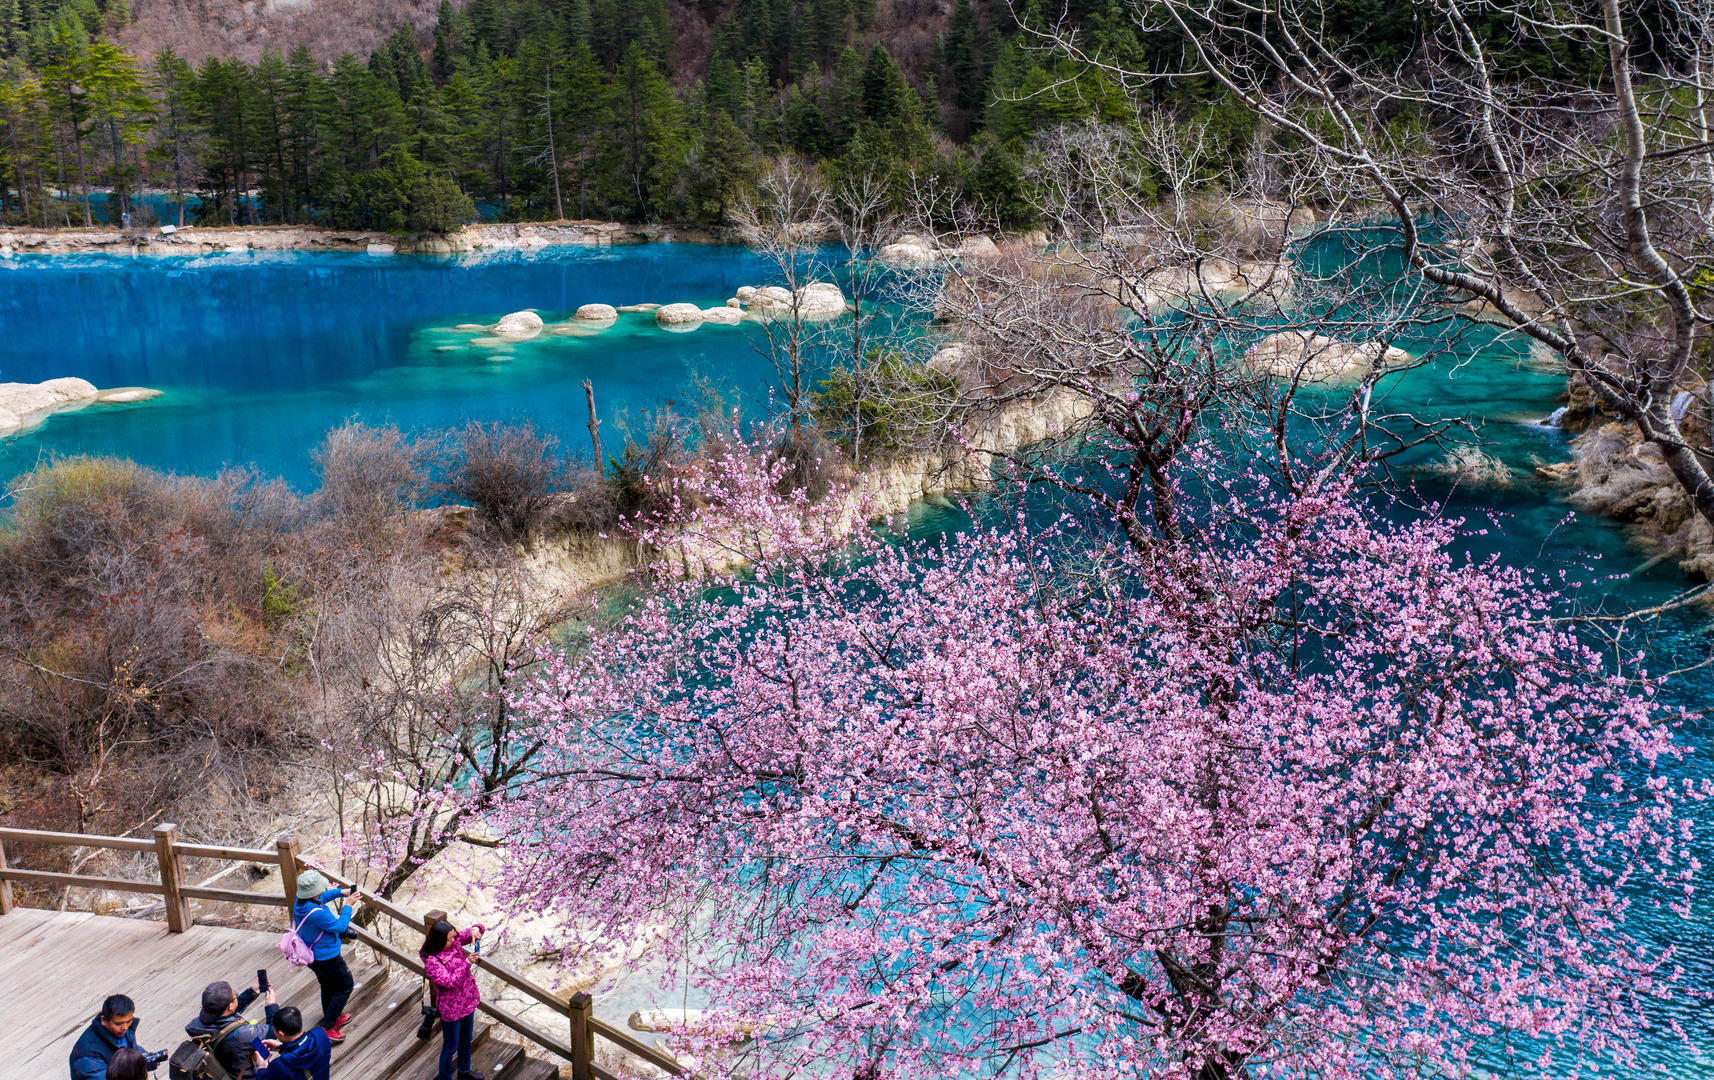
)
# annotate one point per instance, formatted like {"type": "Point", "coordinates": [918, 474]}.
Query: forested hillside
{"type": "Point", "coordinates": [634, 109]}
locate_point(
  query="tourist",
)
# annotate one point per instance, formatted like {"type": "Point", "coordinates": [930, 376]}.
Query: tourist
{"type": "Point", "coordinates": [300, 1055]}
{"type": "Point", "coordinates": [128, 1064]}
{"type": "Point", "coordinates": [222, 1011]}
{"type": "Point", "coordinates": [455, 995]}
{"type": "Point", "coordinates": [113, 1029]}
{"type": "Point", "coordinates": [320, 928]}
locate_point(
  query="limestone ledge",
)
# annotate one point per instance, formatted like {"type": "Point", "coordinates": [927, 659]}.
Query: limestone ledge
{"type": "Point", "coordinates": [1613, 472]}
{"type": "Point", "coordinates": [201, 240]}
{"type": "Point", "coordinates": [24, 406]}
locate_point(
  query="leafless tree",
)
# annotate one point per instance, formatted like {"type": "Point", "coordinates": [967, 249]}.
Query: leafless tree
{"type": "Point", "coordinates": [1574, 210]}
{"type": "Point", "coordinates": [1154, 322]}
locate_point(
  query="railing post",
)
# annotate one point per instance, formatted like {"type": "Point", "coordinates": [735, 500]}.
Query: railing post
{"type": "Point", "coordinates": [172, 877]}
{"type": "Point", "coordinates": [289, 850]}
{"type": "Point", "coordinates": [5, 886]}
{"type": "Point", "coordinates": [582, 1037]}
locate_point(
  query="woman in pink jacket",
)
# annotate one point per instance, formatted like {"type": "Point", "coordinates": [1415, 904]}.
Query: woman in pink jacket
{"type": "Point", "coordinates": [455, 995]}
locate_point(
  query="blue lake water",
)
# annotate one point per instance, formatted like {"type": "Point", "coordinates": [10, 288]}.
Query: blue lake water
{"type": "Point", "coordinates": [259, 355]}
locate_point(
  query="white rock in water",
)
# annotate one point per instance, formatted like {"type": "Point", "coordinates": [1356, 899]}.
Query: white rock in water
{"type": "Point", "coordinates": [597, 313]}
{"type": "Point", "coordinates": [24, 405]}
{"type": "Point", "coordinates": [978, 247]}
{"type": "Point", "coordinates": [745, 292]}
{"type": "Point", "coordinates": [1295, 354]}
{"type": "Point", "coordinates": [910, 251]}
{"type": "Point", "coordinates": [768, 298]}
{"type": "Point", "coordinates": [1468, 464]}
{"type": "Point", "coordinates": [820, 300]}
{"type": "Point", "coordinates": [519, 324]}
{"type": "Point", "coordinates": [373, 249]}
{"type": "Point", "coordinates": [125, 395]}
{"type": "Point", "coordinates": [638, 307]}
{"type": "Point", "coordinates": [685, 315]}
{"type": "Point", "coordinates": [724, 316]}
{"type": "Point", "coordinates": [735, 302]}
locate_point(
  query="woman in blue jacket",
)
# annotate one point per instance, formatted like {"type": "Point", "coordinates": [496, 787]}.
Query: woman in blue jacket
{"type": "Point", "coordinates": [320, 927]}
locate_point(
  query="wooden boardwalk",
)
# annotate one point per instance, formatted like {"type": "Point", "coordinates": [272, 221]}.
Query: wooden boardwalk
{"type": "Point", "coordinates": [57, 966]}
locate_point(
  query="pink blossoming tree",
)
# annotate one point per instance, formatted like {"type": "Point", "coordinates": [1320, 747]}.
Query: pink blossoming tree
{"type": "Point", "coordinates": [1323, 802]}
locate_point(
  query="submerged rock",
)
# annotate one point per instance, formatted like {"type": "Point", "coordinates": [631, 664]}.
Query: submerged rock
{"type": "Point", "coordinates": [1297, 354]}
{"type": "Point", "coordinates": [125, 395]}
{"type": "Point", "coordinates": [637, 308]}
{"type": "Point", "coordinates": [519, 325]}
{"type": "Point", "coordinates": [723, 316]}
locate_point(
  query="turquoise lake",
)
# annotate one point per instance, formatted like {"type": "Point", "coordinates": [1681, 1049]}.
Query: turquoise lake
{"type": "Point", "coordinates": [259, 355]}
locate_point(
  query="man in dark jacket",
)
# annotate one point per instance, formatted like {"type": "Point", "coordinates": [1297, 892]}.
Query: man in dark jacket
{"type": "Point", "coordinates": [220, 1009]}
{"type": "Point", "coordinates": [114, 1027]}
{"type": "Point", "coordinates": [299, 1054]}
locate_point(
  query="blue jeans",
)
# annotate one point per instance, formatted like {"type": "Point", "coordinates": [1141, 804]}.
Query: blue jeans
{"type": "Point", "coordinates": [455, 1038]}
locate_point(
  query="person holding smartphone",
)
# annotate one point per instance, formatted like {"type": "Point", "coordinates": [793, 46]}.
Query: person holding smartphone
{"type": "Point", "coordinates": [447, 967]}
{"type": "Point", "coordinates": [293, 1054]}
{"type": "Point", "coordinates": [320, 927]}
{"type": "Point", "coordinates": [221, 1024]}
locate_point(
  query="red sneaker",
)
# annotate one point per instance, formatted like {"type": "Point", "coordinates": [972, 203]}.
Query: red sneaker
{"type": "Point", "coordinates": [334, 1035]}
{"type": "Point", "coordinates": [344, 1018]}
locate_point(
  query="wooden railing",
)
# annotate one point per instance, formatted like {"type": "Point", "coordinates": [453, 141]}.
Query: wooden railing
{"type": "Point", "coordinates": [172, 887]}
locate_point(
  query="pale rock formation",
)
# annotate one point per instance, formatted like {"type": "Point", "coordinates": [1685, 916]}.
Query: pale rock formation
{"type": "Point", "coordinates": [679, 316]}
{"type": "Point", "coordinates": [1469, 465]}
{"type": "Point", "coordinates": [638, 308]}
{"type": "Point", "coordinates": [911, 250]}
{"type": "Point", "coordinates": [125, 395]}
{"type": "Point", "coordinates": [745, 292]}
{"type": "Point", "coordinates": [519, 325]}
{"type": "Point", "coordinates": [816, 302]}
{"type": "Point", "coordinates": [978, 247]}
{"type": "Point", "coordinates": [767, 298]}
{"type": "Point", "coordinates": [723, 316]}
{"type": "Point", "coordinates": [820, 300]}
{"type": "Point", "coordinates": [597, 313]}
{"type": "Point", "coordinates": [1265, 223]}
{"type": "Point", "coordinates": [1296, 354]}
{"type": "Point", "coordinates": [25, 405]}
{"type": "Point", "coordinates": [735, 302]}
{"type": "Point", "coordinates": [375, 249]}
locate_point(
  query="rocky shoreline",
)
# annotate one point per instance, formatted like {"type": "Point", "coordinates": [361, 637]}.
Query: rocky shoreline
{"type": "Point", "coordinates": [1613, 472]}
{"type": "Point", "coordinates": [206, 240]}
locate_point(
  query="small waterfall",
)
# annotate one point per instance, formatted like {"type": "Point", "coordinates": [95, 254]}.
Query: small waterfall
{"type": "Point", "coordinates": [1554, 419]}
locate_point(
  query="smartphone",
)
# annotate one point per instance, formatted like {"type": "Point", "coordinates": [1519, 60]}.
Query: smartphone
{"type": "Point", "coordinates": [262, 979]}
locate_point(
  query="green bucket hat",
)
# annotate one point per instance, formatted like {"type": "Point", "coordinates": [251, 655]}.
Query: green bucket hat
{"type": "Point", "coordinates": [311, 884]}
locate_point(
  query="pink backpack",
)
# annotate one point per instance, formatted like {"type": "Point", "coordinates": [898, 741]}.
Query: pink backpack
{"type": "Point", "coordinates": [294, 948]}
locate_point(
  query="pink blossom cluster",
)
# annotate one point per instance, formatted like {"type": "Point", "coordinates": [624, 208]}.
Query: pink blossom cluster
{"type": "Point", "coordinates": [1325, 802]}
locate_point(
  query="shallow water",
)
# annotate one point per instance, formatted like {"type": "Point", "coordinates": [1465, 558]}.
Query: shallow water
{"type": "Point", "coordinates": [261, 354]}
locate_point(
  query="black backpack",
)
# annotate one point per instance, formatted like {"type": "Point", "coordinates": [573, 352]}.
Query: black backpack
{"type": "Point", "coordinates": [195, 1058]}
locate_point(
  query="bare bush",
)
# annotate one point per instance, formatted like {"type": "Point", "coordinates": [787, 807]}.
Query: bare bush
{"type": "Point", "coordinates": [509, 473]}
{"type": "Point", "coordinates": [370, 476]}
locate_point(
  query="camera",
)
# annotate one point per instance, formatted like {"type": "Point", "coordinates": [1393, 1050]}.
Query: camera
{"type": "Point", "coordinates": [154, 1060]}
{"type": "Point", "coordinates": [426, 1028]}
